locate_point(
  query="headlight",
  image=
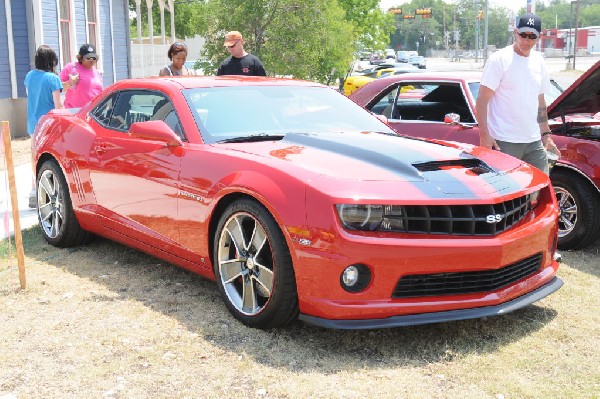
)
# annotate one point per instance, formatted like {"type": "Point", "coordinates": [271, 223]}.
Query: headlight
{"type": "Point", "coordinates": [360, 216]}
{"type": "Point", "coordinates": [372, 217]}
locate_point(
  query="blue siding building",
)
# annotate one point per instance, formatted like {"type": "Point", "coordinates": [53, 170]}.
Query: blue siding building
{"type": "Point", "coordinates": [63, 25]}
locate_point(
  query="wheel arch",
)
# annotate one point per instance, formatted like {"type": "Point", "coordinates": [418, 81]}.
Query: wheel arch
{"type": "Point", "coordinates": [571, 169]}
{"type": "Point", "coordinates": [220, 208]}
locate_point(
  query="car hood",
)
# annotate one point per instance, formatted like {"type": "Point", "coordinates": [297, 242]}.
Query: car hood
{"type": "Point", "coordinates": [443, 169]}
{"type": "Point", "coordinates": [583, 96]}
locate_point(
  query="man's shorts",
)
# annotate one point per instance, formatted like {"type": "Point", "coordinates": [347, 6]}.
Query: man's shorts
{"type": "Point", "coordinates": [532, 153]}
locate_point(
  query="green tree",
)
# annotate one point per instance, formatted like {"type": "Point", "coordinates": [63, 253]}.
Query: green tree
{"type": "Point", "coordinates": [372, 27]}
{"type": "Point", "coordinates": [302, 38]}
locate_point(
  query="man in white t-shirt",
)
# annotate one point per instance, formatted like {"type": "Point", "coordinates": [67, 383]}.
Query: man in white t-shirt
{"type": "Point", "coordinates": [511, 110]}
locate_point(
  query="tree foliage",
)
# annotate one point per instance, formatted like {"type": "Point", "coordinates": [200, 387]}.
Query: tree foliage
{"type": "Point", "coordinates": [372, 26]}
{"type": "Point", "coordinates": [306, 39]}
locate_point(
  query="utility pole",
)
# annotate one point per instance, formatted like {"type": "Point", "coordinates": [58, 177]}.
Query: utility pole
{"type": "Point", "coordinates": [477, 19]}
{"type": "Point", "coordinates": [575, 40]}
{"type": "Point", "coordinates": [485, 33]}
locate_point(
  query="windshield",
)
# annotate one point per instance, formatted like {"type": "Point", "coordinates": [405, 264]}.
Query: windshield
{"type": "Point", "coordinates": [224, 113]}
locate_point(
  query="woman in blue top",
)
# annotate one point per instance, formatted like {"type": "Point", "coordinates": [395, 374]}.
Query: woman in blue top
{"type": "Point", "coordinates": [43, 87]}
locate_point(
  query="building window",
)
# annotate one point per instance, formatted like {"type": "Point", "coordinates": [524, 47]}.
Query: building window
{"type": "Point", "coordinates": [65, 30]}
{"type": "Point", "coordinates": [92, 22]}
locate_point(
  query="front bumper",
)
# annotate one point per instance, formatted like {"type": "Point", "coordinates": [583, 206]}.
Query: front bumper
{"type": "Point", "coordinates": [438, 317]}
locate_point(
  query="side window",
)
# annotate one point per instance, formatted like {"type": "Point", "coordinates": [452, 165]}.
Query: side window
{"type": "Point", "coordinates": [103, 112]}
{"type": "Point", "coordinates": [163, 111]}
{"type": "Point", "coordinates": [431, 102]}
{"type": "Point", "coordinates": [120, 113]}
{"type": "Point", "coordinates": [385, 103]}
{"type": "Point", "coordinates": [133, 106]}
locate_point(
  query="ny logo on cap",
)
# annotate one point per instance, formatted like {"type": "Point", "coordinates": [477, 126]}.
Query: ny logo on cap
{"type": "Point", "coordinates": [530, 21]}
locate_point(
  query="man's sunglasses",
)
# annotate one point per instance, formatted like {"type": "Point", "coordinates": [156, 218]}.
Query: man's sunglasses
{"type": "Point", "coordinates": [233, 45]}
{"type": "Point", "coordinates": [530, 36]}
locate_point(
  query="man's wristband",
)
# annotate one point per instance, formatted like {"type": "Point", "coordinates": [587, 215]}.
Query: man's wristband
{"type": "Point", "coordinates": [546, 133]}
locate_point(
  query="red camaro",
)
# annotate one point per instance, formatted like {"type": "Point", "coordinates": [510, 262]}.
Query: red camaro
{"type": "Point", "coordinates": [574, 120]}
{"type": "Point", "coordinates": [298, 202]}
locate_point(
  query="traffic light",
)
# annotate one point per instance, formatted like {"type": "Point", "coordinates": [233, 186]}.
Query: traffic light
{"type": "Point", "coordinates": [395, 10]}
{"type": "Point", "coordinates": [425, 15]}
{"type": "Point", "coordinates": [479, 15]}
{"type": "Point", "coordinates": [408, 16]}
{"type": "Point", "coordinates": [423, 11]}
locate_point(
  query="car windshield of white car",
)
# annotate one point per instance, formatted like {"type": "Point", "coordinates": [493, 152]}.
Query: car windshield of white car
{"type": "Point", "coordinates": [252, 113]}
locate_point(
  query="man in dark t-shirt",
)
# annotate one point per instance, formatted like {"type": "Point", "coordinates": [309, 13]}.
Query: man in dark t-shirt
{"type": "Point", "coordinates": [240, 62]}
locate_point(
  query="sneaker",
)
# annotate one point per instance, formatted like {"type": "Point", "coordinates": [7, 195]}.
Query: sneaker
{"type": "Point", "coordinates": [33, 199]}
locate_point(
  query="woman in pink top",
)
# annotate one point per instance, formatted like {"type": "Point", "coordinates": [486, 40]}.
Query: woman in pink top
{"type": "Point", "coordinates": [82, 78]}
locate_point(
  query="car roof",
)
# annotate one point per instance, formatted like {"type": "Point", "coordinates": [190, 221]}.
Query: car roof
{"type": "Point", "coordinates": [193, 82]}
{"type": "Point", "coordinates": [438, 76]}
{"type": "Point", "coordinates": [368, 91]}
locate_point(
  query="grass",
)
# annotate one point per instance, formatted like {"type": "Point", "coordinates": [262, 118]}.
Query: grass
{"type": "Point", "coordinates": [102, 320]}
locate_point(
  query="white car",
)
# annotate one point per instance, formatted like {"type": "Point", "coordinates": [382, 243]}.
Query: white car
{"type": "Point", "coordinates": [191, 66]}
{"type": "Point", "coordinates": [390, 53]}
{"type": "Point", "coordinates": [418, 61]}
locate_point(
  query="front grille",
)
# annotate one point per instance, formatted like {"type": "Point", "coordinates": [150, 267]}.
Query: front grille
{"type": "Point", "coordinates": [419, 285]}
{"type": "Point", "coordinates": [472, 220]}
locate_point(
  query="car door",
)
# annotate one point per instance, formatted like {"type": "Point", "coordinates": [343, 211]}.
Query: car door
{"type": "Point", "coordinates": [135, 180]}
{"type": "Point", "coordinates": [418, 109]}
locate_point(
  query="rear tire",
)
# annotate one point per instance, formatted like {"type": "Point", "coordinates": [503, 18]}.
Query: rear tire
{"type": "Point", "coordinates": [579, 219]}
{"type": "Point", "coordinates": [253, 266]}
{"type": "Point", "coordinates": [55, 212]}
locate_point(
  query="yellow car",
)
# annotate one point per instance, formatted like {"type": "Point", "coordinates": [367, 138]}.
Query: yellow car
{"type": "Point", "coordinates": [354, 82]}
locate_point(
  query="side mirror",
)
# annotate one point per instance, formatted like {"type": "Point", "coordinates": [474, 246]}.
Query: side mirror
{"type": "Point", "coordinates": [452, 119]}
{"type": "Point", "coordinates": [155, 131]}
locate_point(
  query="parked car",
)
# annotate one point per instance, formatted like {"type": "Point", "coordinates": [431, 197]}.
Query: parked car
{"type": "Point", "coordinates": [377, 58]}
{"type": "Point", "coordinates": [574, 120]}
{"type": "Point", "coordinates": [354, 82]}
{"type": "Point", "coordinates": [194, 67]}
{"type": "Point", "coordinates": [418, 61]}
{"type": "Point", "coordinates": [299, 204]}
{"type": "Point", "coordinates": [404, 55]}
{"type": "Point", "coordinates": [390, 54]}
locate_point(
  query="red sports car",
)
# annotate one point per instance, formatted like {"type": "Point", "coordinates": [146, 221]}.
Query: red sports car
{"type": "Point", "coordinates": [575, 123]}
{"type": "Point", "coordinates": [298, 202]}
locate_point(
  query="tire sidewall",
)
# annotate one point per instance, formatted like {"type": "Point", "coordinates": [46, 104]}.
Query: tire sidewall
{"type": "Point", "coordinates": [281, 261]}
{"type": "Point", "coordinates": [62, 188]}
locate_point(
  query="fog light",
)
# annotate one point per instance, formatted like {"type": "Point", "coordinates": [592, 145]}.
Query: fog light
{"type": "Point", "coordinates": [355, 278]}
{"type": "Point", "coordinates": [350, 276]}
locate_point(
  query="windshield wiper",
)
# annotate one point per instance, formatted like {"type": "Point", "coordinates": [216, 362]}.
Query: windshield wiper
{"type": "Point", "coordinates": [253, 138]}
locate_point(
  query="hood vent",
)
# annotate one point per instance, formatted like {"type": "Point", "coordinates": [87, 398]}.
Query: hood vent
{"type": "Point", "coordinates": [475, 165]}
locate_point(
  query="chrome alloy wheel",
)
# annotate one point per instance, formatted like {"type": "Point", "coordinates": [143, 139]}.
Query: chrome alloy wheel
{"type": "Point", "coordinates": [568, 211]}
{"type": "Point", "coordinates": [51, 204]}
{"type": "Point", "coordinates": [245, 263]}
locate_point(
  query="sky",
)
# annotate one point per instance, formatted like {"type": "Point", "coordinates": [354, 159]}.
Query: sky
{"type": "Point", "coordinates": [515, 5]}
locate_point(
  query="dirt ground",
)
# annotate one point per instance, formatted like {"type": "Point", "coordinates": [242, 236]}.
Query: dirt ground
{"type": "Point", "coordinates": [21, 150]}
{"type": "Point", "coordinates": [105, 321]}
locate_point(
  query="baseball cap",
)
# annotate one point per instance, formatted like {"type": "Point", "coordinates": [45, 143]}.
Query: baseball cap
{"type": "Point", "coordinates": [88, 50]}
{"type": "Point", "coordinates": [529, 23]}
{"type": "Point", "coordinates": [232, 37]}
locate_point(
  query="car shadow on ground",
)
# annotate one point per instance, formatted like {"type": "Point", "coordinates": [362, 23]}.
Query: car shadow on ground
{"type": "Point", "coordinates": [196, 304]}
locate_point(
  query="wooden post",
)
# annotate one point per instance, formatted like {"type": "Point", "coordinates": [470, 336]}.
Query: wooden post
{"type": "Point", "coordinates": [13, 200]}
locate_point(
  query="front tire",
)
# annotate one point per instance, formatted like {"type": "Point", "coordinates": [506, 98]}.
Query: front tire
{"type": "Point", "coordinates": [253, 266]}
{"type": "Point", "coordinates": [55, 212]}
{"type": "Point", "coordinates": [579, 219]}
